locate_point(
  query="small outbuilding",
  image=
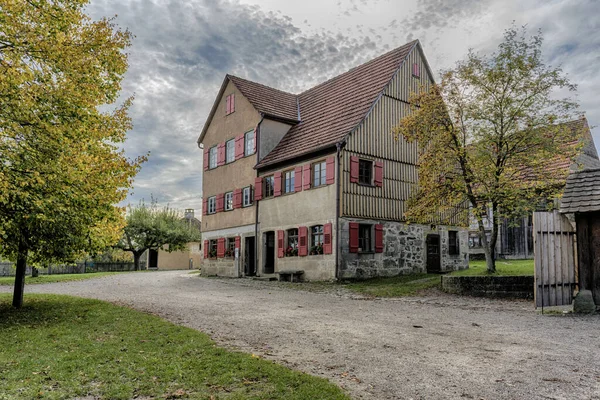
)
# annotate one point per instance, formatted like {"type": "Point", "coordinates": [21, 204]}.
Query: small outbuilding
{"type": "Point", "coordinates": [582, 198]}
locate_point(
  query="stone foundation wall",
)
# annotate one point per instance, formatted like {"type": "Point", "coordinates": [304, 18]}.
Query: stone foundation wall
{"type": "Point", "coordinates": [219, 267]}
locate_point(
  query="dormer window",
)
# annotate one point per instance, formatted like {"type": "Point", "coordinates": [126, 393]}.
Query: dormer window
{"type": "Point", "coordinates": [230, 104]}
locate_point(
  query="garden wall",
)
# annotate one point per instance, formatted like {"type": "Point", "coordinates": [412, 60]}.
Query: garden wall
{"type": "Point", "coordinates": [519, 287]}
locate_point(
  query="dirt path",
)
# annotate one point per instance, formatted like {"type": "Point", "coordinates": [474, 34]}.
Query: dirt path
{"type": "Point", "coordinates": [435, 347]}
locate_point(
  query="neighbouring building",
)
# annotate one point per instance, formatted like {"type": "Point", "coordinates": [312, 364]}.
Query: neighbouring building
{"type": "Point", "coordinates": [316, 182]}
{"type": "Point", "coordinates": [515, 236]}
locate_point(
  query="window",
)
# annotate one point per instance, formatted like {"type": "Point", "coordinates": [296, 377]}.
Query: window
{"type": "Point", "coordinates": [269, 182]}
{"type": "Point", "coordinates": [212, 205]}
{"type": "Point", "coordinates": [416, 72]}
{"type": "Point", "coordinates": [230, 249]}
{"type": "Point", "coordinates": [365, 172]}
{"type": "Point", "coordinates": [453, 243]}
{"type": "Point", "coordinates": [228, 201]}
{"type": "Point", "coordinates": [230, 153]}
{"type": "Point", "coordinates": [249, 143]}
{"type": "Point", "coordinates": [247, 196]}
{"type": "Point", "coordinates": [212, 248]}
{"type": "Point", "coordinates": [229, 104]}
{"type": "Point", "coordinates": [289, 178]}
{"type": "Point", "coordinates": [316, 239]}
{"type": "Point", "coordinates": [319, 174]}
{"type": "Point", "coordinates": [212, 158]}
{"type": "Point", "coordinates": [364, 238]}
{"type": "Point", "coordinates": [292, 243]}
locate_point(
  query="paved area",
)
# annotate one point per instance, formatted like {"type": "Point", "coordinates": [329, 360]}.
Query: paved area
{"type": "Point", "coordinates": [433, 347]}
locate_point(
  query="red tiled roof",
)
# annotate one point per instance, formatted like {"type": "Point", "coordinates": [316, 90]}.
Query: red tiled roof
{"type": "Point", "coordinates": [331, 110]}
{"type": "Point", "coordinates": [266, 100]}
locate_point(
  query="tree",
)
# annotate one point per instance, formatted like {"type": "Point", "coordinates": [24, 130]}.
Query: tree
{"type": "Point", "coordinates": [61, 169]}
{"type": "Point", "coordinates": [490, 136]}
{"type": "Point", "coordinates": [151, 227]}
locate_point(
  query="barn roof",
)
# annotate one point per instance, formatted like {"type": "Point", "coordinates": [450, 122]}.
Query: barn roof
{"type": "Point", "coordinates": [582, 193]}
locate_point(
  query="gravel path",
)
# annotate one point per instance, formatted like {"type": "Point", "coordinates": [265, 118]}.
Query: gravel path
{"type": "Point", "coordinates": [433, 347]}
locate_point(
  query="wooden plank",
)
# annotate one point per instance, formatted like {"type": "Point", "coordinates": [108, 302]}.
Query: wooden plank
{"type": "Point", "coordinates": [537, 260]}
{"type": "Point", "coordinates": [594, 221]}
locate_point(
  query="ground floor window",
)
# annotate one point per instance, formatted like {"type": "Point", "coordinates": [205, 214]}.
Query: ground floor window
{"type": "Point", "coordinates": [212, 248]}
{"type": "Point", "coordinates": [364, 238]}
{"type": "Point", "coordinates": [316, 239]}
{"type": "Point", "coordinates": [292, 243]}
{"type": "Point", "coordinates": [230, 249]}
{"type": "Point", "coordinates": [453, 243]}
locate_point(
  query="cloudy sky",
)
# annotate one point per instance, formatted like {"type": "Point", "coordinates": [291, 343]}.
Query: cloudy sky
{"type": "Point", "coordinates": [184, 48]}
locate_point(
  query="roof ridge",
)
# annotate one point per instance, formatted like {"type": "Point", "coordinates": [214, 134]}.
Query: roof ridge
{"type": "Point", "coordinates": [260, 84]}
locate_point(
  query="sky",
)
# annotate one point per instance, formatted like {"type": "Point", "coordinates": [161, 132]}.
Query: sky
{"type": "Point", "coordinates": [183, 49]}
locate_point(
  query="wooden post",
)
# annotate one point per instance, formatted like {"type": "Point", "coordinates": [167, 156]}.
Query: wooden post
{"type": "Point", "coordinates": [594, 256]}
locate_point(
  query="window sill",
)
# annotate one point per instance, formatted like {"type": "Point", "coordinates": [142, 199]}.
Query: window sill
{"type": "Point", "coordinates": [366, 185]}
{"type": "Point", "coordinates": [247, 205]}
{"type": "Point", "coordinates": [366, 252]}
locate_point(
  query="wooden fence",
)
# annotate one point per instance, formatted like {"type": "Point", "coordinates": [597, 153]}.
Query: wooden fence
{"type": "Point", "coordinates": [8, 268]}
{"type": "Point", "coordinates": [555, 259]}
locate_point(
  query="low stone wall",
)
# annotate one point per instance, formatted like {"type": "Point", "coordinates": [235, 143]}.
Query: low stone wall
{"type": "Point", "coordinates": [519, 287]}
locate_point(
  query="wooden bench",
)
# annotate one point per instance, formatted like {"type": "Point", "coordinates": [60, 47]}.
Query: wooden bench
{"type": "Point", "coordinates": [283, 275]}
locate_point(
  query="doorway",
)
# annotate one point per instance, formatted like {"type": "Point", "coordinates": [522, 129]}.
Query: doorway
{"type": "Point", "coordinates": [249, 257]}
{"type": "Point", "coordinates": [152, 259]}
{"type": "Point", "coordinates": [269, 252]}
{"type": "Point", "coordinates": [433, 254]}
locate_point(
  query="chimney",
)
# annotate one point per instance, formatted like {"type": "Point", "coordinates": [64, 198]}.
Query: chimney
{"type": "Point", "coordinates": [189, 214]}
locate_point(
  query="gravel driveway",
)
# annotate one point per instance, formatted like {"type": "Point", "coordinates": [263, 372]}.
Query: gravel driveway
{"type": "Point", "coordinates": [434, 347]}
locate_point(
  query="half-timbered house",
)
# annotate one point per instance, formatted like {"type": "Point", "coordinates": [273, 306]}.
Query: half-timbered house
{"type": "Point", "coordinates": [316, 182]}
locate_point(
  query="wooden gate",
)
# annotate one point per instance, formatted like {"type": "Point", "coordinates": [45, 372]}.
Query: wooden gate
{"type": "Point", "coordinates": [554, 253]}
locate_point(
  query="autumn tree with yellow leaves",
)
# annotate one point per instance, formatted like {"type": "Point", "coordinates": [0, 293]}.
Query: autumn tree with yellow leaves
{"type": "Point", "coordinates": [61, 169]}
{"type": "Point", "coordinates": [490, 137]}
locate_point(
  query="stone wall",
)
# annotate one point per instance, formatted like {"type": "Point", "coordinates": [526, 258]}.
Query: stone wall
{"type": "Point", "coordinates": [404, 252]}
{"type": "Point", "coordinates": [520, 287]}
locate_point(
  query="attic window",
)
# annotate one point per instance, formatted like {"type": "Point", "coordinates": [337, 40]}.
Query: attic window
{"type": "Point", "coordinates": [230, 104]}
{"type": "Point", "coordinates": [416, 72]}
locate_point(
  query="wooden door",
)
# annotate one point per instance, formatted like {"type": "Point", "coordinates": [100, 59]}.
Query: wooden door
{"type": "Point", "coordinates": [433, 253]}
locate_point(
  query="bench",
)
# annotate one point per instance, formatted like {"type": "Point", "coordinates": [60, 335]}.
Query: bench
{"type": "Point", "coordinates": [283, 275]}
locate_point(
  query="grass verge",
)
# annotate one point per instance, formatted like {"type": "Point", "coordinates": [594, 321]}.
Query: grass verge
{"type": "Point", "coordinates": [59, 347]}
{"type": "Point", "coordinates": [503, 268]}
{"type": "Point", "coordinates": [397, 286]}
{"type": "Point", "coordinates": [10, 280]}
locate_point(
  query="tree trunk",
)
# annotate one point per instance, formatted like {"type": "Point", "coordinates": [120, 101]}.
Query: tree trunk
{"type": "Point", "coordinates": [488, 248]}
{"type": "Point", "coordinates": [136, 260]}
{"type": "Point", "coordinates": [34, 272]}
{"type": "Point", "coordinates": [20, 276]}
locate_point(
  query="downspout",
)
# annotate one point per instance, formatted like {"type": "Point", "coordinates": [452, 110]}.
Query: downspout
{"type": "Point", "coordinates": [338, 147]}
{"type": "Point", "coordinates": [256, 138]}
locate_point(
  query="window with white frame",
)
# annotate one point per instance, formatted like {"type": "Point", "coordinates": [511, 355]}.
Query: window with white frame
{"type": "Point", "coordinates": [269, 186]}
{"type": "Point", "coordinates": [247, 196]}
{"type": "Point", "coordinates": [292, 243]}
{"type": "Point", "coordinates": [212, 205]}
{"type": "Point", "coordinates": [230, 153]}
{"type": "Point", "coordinates": [319, 174]}
{"type": "Point", "coordinates": [228, 201]}
{"type": "Point", "coordinates": [289, 179]}
{"type": "Point", "coordinates": [316, 239]}
{"type": "Point", "coordinates": [212, 158]}
{"type": "Point", "coordinates": [249, 143]}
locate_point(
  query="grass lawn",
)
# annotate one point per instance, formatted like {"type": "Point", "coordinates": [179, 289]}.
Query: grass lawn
{"type": "Point", "coordinates": [503, 267]}
{"type": "Point", "coordinates": [61, 347]}
{"type": "Point", "coordinates": [397, 286]}
{"type": "Point", "coordinates": [10, 280]}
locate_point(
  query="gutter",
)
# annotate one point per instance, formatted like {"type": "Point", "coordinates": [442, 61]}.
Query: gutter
{"type": "Point", "coordinates": [257, 142]}
{"type": "Point", "coordinates": [338, 147]}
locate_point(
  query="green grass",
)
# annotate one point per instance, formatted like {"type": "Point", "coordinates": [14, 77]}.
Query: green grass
{"type": "Point", "coordinates": [503, 268]}
{"type": "Point", "coordinates": [398, 286]}
{"type": "Point", "coordinates": [61, 347]}
{"type": "Point", "coordinates": [10, 280]}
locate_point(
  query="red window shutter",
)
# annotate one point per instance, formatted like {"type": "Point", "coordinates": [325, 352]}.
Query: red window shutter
{"type": "Point", "coordinates": [204, 206]}
{"type": "Point", "coordinates": [238, 241]}
{"type": "Point", "coordinates": [228, 105]}
{"type": "Point", "coordinates": [277, 179]}
{"type": "Point", "coordinates": [416, 69]}
{"type": "Point", "coordinates": [258, 188]}
{"type": "Point", "coordinates": [255, 139]}
{"type": "Point", "coordinates": [353, 237]}
{"type": "Point", "coordinates": [280, 244]}
{"type": "Point", "coordinates": [378, 238]}
{"type": "Point", "coordinates": [302, 241]}
{"type": "Point", "coordinates": [354, 169]}
{"type": "Point", "coordinates": [221, 248]}
{"type": "Point", "coordinates": [327, 245]}
{"type": "Point", "coordinates": [221, 154]}
{"type": "Point", "coordinates": [206, 249]}
{"type": "Point", "coordinates": [206, 154]}
{"type": "Point", "coordinates": [298, 179]}
{"type": "Point", "coordinates": [306, 177]}
{"type": "Point", "coordinates": [237, 198]}
{"type": "Point", "coordinates": [220, 202]}
{"type": "Point", "coordinates": [231, 103]}
{"type": "Point", "coordinates": [378, 173]}
{"type": "Point", "coordinates": [239, 147]}
{"type": "Point", "coordinates": [330, 170]}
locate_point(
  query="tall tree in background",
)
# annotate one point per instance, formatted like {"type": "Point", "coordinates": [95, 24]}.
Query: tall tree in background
{"type": "Point", "coordinates": [151, 227]}
{"type": "Point", "coordinates": [61, 169]}
{"type": "Point", "coordinates": [489, 135]}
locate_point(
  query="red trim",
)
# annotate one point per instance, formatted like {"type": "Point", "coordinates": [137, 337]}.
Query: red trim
{"type": "Point", "coordinates": [302, 241]}
{"type": "Point", "coordinates": [327, 245]}
{"type": "Point", "coordinates": [353, 228]}
{"type": "Point", "coordinates": [306, 177]}
{"type": "Point", "coordinates": [220, 206]}
{"type": "Point", "coordinates": [298, 179]}
{"type": "Point", "coordinates": [206, 249]}
{"type": "Point", "coordinates": [204, 206]}
{"type": "Point", "coordinates": [277, 185]}
{"type": "Point", "coordinates": [379, 173]}
{"type": "Point", "coordinates": [237, 198]}
{"type": "Point", "coordinates": [221, 248]}
{"type": "Point", "coordinates": [378, 238]}
{"type": "Point", "coordinates": [221, 154]}
{"type": "Point", "coordinates": [238, 241]}
{"type": "Point", "coordinates": [258, 189]}
{"type": "Point", "coordinates": [354, 169]}
{"type": "Point", "coordinates": [280, 244]}
{"type": "Point", "coordinates": [239, 146]}
{"type": "Point", "coordinates": [330, 170]}
{"type": "Point", "coordinates": [206, 155]}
